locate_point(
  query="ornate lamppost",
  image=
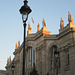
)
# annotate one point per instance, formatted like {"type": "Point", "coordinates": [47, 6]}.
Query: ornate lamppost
{"type": "Point", "coordinates": [13, 68]}
{"type": "Point", "coordinates": [25, 11]}
{"type": "Point", "coordinates": [56, 54]}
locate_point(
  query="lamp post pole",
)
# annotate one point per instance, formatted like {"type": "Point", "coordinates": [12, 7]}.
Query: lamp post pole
{"type": "Point", "coordinates": [23, 68]}
{"type": "Point", "coordinates": [25, 11]}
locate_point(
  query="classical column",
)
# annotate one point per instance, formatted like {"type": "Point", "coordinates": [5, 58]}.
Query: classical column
{"type": "Point", "coordinates": [35, 57]}
{"type": "Point", "coordinates": [27, 59]}
{"type": "Point", "coordinates": [32, 57]}
{"type": "Point", "coordinates": [30, 54]}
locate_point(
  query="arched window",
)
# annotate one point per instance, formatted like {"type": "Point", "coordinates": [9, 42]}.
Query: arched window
{"type": "Point", "coordinates": [53, 64]}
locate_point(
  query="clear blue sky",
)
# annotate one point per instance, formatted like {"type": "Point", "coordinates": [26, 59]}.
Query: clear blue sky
{"type": "Point", "coordinates": [11, 26]}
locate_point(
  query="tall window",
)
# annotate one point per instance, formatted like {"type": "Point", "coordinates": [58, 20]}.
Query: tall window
{"type": "Point", "coordinates": [30, 57]}
{"type": "Point", "coordinates": [67, 58]}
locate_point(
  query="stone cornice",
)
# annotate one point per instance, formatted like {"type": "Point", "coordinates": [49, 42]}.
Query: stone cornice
{"type": "Point", "coordinates": [34, 36]}
{"type": "Point", "coordinates": [66, 47]}
{"type": "Point", "coordinates": [40, 47]}
{"type": "Point", "coordinates": [37, 35]}
{"type": "Point", "coordinates": [64, 33]}
{"type": "Point", "coordinates": [57, 36]}
{"type": "Point", "coordinates": [50, 37]}
{"type": "Point", "coordinates": [66, 30]}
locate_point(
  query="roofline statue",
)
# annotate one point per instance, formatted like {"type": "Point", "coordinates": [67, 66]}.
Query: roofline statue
{"type": "Point", "coordinates": [44, 24]}
{"type": "Point", "coordinates": [62, 23]}
{"type": "Point", "coordinates": [70, 18]}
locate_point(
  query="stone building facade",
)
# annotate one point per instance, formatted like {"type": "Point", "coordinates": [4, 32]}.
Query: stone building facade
{"type": "Point", "coordinates": [40, 48]}
{"type": "Point", "coordinates": [2, 72]}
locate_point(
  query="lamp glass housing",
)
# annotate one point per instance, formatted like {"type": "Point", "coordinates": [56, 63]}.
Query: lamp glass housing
{"type": "Point", "coordinates": [24, 17]}
{"type": "Point", "coordinates": [13, 67]}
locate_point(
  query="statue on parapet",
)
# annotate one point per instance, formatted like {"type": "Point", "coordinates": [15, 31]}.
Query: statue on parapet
{"type": "Point", "coordinates": [70, 18]}
{"type": "Point", "coordinates": [29, 26]}
{"type": "Point", "coordinates": [16, 45]}
{"type": "Point", "coordinates": [62, 23]}
{"type": "Point", "coordinates": [44, 24]}
{"type": "Point", "coordinates": [38, 27]}
{"type": "Point", "coordinates": [19, 43]}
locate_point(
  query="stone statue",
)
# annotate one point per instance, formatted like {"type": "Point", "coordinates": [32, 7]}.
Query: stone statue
{"type": "Point", "coordinates": [7, 61]}
{"type": "Point", "coordinates": [62, 23]}
{"type": "Point", "coordinates": [38, 27]}
{"type": "Point", "coordinates": [29, 26]}
{"type": "Point", "coordinates": [19, 43]}
{"type": "Point", "coordinates": [10, 60]}
{"type": "Point", "coordinates": [70, 18]}
{"type": "Point", "coordinates": [16, 45]}
{"type": "Point", "coordinates": [44, 24]}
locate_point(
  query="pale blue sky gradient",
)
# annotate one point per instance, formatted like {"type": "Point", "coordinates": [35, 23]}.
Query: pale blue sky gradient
{"type": "Point", "coordinates": [11, 26]}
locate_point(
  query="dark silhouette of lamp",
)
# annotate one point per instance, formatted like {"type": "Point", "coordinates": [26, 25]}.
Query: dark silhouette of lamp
{"type": "Point", "coordinates": [25, 11]}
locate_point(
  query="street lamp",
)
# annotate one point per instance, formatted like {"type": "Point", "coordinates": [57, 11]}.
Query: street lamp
{"type": "Point", "coordinates": [56, 54]}
{"type": "Point", "coordinates": [25, 11]}
{"type": "Point", "coordinates": [12, 67]}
